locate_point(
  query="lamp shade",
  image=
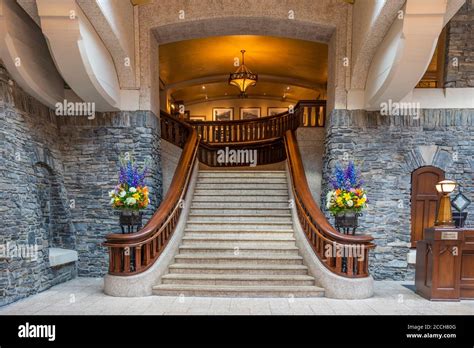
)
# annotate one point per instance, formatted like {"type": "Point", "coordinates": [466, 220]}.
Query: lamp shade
{"type": "Point", "coordinates": [446, 186]}
{"type": "Point", "coordinates": [243, 78]}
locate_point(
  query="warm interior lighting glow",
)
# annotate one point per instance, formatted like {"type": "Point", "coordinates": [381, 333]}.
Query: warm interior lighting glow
{"type": "Point", "coordinates": [243, 78]}
{"type": "Point", "coordinates": [445, 216]}
{"type": "Point", "coordinates": [446, 186]}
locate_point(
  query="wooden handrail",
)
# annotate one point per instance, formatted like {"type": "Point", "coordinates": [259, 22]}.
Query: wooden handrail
{"type": "Point", "coordinates": [319, 232]}
{"type": "Point", "coordinates": [134, 253]}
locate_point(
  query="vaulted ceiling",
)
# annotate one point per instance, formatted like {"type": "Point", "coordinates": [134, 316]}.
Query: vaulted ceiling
{"type": "Point", "coordinates": [195, 69]}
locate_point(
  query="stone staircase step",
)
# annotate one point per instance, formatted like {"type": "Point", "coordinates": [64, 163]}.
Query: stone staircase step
{"type": "Point", "coordinates": [241, 218]}
{"type": "Point", "coordinates": [256, 249]}
{"type": "Point", "coordinates": [277, 240]}
{"type": "Point", "coordinates": [242, 174]}
{"type": "Point", "coordinates": [241, 192]}
{"type": "Point", "coordinates": [241, 180]}
{"type": "Point", "coordinates": [239, 234]}
{"type": "Point", "coordinates": [217, 259]}
{"type": "Point", "coordinates": [238, 291]}
{"type": "Point", "coordinates": [241, 224]}
{"type": "Point", "coordinates": [237, 279]}
{"type": "Point", "coordinates": [251, 204]}
{"type": "Point", "coordinates": [238, 211]}
{"type": "Point", "coordinates": [239, 186]}
{"type": "Point", "coordinates": [237, 268]}
{"type": "Point", "coordinates": [240, 199]}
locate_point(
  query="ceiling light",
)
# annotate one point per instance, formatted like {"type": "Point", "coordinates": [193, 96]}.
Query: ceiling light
{"type": "Point", "coordinates": [243, 78]}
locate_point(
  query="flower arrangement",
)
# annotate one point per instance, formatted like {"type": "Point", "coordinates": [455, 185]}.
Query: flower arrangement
{"type": "Point", "coordinates": [347, 194]}
{"type": "Point", "coordinates": [131, 193]}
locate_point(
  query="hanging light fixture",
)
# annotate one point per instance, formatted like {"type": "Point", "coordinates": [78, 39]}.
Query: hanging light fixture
{"type": "Point", "coordinates": [243, 78]}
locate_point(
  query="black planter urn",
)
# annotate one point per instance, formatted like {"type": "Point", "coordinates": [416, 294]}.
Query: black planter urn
{"type": "Point", "coordinates": [347, 222]}
{"type": "Point", "coordinates": [131, 221]}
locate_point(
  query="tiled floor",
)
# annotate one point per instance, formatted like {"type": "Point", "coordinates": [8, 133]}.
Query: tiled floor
{"type": "Point", "coordinates": [85, 296]}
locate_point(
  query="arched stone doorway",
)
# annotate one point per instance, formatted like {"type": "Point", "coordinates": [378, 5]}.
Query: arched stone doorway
{"type": "Point", "coordinates": [53, 216]}
{"type": "Point", "coordinates": [161, 27]}
{"type": "Point", "coordinates": [424, 200]}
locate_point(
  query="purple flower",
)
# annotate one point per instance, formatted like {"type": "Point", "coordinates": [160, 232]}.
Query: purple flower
{"type": "Point", "coordinates": [346, 179]}
{"type": "Point", "coordinates": [130, 175]}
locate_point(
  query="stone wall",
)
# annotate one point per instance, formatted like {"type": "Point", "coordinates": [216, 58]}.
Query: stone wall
{"type": "Point", "coordinates": [388, 149]}
{"type": "Point", "coordinates": [90, 151]}
{"type": "Point", "coordinates": [170, 155]}
{"type": "Point", "coordinates": [311, 146]}
{"type": "Point", "coordinates": [55, 173]}
{"type": "Point", "coordinates": [459, 71]}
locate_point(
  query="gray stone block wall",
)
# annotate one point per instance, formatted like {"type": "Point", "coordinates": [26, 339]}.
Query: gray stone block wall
{"type": "Point", "coordinates": [55, 173]}
{"type": "Point", "coordinates": [459, 71]}
{"type": "Point", "coordinates": [388, 149]}
{"type": "Point", "coordinates": [90, 151]}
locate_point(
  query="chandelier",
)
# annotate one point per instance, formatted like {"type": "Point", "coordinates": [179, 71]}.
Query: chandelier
{"type": "Point", "coordinates": [243, 78]}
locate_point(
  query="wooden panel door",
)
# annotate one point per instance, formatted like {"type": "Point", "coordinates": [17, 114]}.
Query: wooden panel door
{"type": "Point", "coordinates": [424, 200]}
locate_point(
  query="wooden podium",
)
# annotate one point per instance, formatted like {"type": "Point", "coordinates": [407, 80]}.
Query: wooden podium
{"type": "Point", "coordinates": [445, 264]}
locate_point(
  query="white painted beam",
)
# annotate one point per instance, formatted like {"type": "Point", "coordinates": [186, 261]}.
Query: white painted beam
{"type": "Point", "coordinates": [25, 53]}
{"type": "Point", "coordinates": [114, 22]}
{"type": "Point", "coordinates": [406, 51]}
{"type": "Point", "coordinates": [80, 55]}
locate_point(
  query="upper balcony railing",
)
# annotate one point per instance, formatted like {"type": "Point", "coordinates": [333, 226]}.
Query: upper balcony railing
{"type": "Point", "coordinates": [304, 114]}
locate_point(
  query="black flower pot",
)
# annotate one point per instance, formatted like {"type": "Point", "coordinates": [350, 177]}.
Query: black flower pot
{"type": "Point", "coordinates": [459, 219]}
{"type": "Point", "coordinates": [131, 221]}
{"type": "Point", "coordinates": [347, 222]}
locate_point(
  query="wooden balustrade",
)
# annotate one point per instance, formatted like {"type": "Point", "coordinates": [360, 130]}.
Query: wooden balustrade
{"type": "Point", "coordinates": [312, 113]}
{"type": "Point", "coordinates": [134, 253]}
{"type": "Point", "coordinates": [273, 140]}
{"type": "Point", "coordinates": [304, 114]}
{"type": "Point", "coordinates": [265, 152]}
{"type": "Point", "coordinates": [345, 255]}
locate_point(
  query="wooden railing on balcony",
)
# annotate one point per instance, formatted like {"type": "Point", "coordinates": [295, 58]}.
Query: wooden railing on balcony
{"type": "Point", "coordinates": [134, 253]}
{"type": "Point", "coordinates": [304, 114]}
{"type": "Point", "coordinates": [345, 255]}
{"type": "Point", "coordinates": [263, 152]}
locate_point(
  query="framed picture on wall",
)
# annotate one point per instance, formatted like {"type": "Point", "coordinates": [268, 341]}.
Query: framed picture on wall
{"type": "Point", "coordinates": [271, 111]}
{"type": "Point", "coordinates": [197, 118]}
{"type": "Point", "coordinates": [222, 114]}
{"type": "Point", "coordinates": [249, 113]}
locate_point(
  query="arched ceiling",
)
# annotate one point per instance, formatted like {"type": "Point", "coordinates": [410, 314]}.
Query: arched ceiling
{"type": "Point", "coordinates": [186, 66]}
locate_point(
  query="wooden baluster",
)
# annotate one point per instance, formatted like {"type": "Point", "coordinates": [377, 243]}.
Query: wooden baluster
{"type": "Point", "coordinates": [153, 248]}
{"type": "Point", "coordinates": [117, 259]}
{"type": "Point", "coordinates": [146, 254]}
{"type": "Point", "coordinates": [338, 264]}
{"type": "Point", "coordinates": [138, 258]}
{"type": "Point", "coordinates": [350, 265]}
{"type": "Point", "coordinates": [126, 259]}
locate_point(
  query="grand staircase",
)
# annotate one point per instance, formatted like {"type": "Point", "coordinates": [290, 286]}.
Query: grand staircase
{"type": "Point", "coordinates": [239, 240]}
